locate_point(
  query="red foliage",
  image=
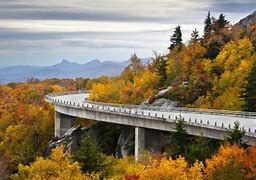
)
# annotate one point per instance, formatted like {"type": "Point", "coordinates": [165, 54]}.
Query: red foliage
{"type": "Point", "coordinates": [131, 177]}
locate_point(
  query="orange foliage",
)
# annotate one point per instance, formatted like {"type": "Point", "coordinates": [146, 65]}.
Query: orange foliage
{"type": "Point", "coordinates": [244, 159]}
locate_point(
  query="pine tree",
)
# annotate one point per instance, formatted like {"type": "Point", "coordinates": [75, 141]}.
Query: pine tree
{"type": "Point", "coordinates": [207, 25]}
{"type": "Point", "coordinates": [194, 36]}
{"type": "Point", "coordinates": [235, 135]}
{"type": "Point", "coordinates": [250, 95]}
{"type": "Point", "coordinates": [199, 149]}
{"type": "Point", "coordinates": [91, 158]}
{"type": "Point", "coordinates": [222, 22]}
{"type": "Point", "coordinates": [176, 38]}
{"type": "Point", "coordinates": [180, 139]}
{"type": "Point", "coordinates": [161, 70]}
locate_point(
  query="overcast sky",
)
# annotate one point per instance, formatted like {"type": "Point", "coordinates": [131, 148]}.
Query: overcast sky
{"type": "Point", "coordinates": [43, 32]}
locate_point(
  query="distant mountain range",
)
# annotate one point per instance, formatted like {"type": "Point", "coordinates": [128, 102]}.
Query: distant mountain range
{"type": "Point", "coordinates": [65, 69]}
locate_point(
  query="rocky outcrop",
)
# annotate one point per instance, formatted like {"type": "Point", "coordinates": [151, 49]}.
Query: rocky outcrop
{"type": "Point", "coordinates": [247, 21]}
{"type": "Point", "coordinates": [71, 140]}
{"type": "Point", "coordinates": [126, 142]}
{"type": "Point", "coordinates": [106, 135]}
{"type": "Point", "coordinates": [162, 102]}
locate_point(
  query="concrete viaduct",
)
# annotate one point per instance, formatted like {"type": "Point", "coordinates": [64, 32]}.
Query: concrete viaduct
{"type": "Point", "coordinates": [209, 123]}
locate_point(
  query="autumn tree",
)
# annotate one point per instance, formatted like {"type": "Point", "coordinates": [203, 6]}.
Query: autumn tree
{"type": "Point", "coordinates": [92, 159]}
{"type": "Point", "coordinates": [135, 68]}
{"type": "Point", "coordinates": [226, 162]}
{"type": "Point", "coordinates": [176, 39]}
{"type": "Point", "coordinates": [172, 169]}
{"type": "Point", "coordinates": [57, 166]}
{"type": "Point", "coordinates": [234, 62]}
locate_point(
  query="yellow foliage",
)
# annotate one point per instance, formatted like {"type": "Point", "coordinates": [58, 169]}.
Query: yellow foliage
{"type": "Point", "coordinates": [154, 169]}
{"type": "Point", "coordinates": [127, 92]}
{"type": "Point", "coordinates": [230, 99]}
{"type": "Point", "coordinates": [125, 166]}
{"type": "Point", "coordinates": [104, 92]}
{"type": "Point", "coordinates": [233, 52]}
{"type": "Point", "coordinates": [172, 169]}
{"type": "Point", "coordinates": [235, 61]}
{"type": "Point", "coordinates": [58, 166]}
{"type": "Point", "coordinates": [57, 88]}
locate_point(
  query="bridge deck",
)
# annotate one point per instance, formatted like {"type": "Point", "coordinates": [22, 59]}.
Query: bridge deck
{"type": "Point", "coordinates": [221, 118]}
{"type": "Point", "coordinates": [216, 120]}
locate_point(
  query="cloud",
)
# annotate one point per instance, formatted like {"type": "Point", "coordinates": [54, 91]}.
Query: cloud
{"type": "Point", "coordinates": [36, 30]}
{"type": "Point", "coordinates": [232, 7]}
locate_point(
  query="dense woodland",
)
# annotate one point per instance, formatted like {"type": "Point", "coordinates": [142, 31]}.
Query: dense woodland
{"type": "Point", "coordinates": [216, 70]}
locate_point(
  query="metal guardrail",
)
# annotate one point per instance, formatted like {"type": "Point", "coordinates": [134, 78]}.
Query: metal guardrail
{"type": "Point", "coordinates": [164, 109]}
{"type": "Point", "coordinates": [127, 109]}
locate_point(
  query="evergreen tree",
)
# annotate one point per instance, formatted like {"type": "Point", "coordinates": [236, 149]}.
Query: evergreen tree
{"type": "Point", "coordinates": [250, 95]}
{"type": "Point", "coordinates": [176, 38]}
{"type": "Point", "coordinates": [180, 139]}
{"type": "Point", "coordinates": [207, 25]}
{"type": "Point", "coordinates": [213, 50]}
{"type": "Point", "coordinates": [199, 150]}
{"type": "Point", "coordinates": [161, 70]}
{"type": "Point", "coordinates": [222, 22]}
{"type": "Point", "coordinates": [91, 158]}
{"type": "Point", "coordinates": [235, 135]}
{"type": "Point", "coordinates": [194, 36]}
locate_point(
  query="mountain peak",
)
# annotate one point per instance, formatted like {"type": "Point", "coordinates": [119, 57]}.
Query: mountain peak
{"type": "Point", "coordinates": [64, 61]}
{"type": "Point", "coordinates": [93, 62]}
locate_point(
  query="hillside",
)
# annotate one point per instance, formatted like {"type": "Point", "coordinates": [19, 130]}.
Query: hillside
{"type": "Point", "coordinates": [211, 71]}
{"type": "Point", "coordinates": [245, 22]}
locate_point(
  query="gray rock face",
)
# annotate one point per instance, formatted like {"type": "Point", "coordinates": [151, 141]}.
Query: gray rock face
{"type": "Point", "coordinates": [245, 22]}
{"type": "Point", "coordinates": [162, 102]}
{"type": "Point", "coordinates": [70, 140]}
{"type": "Point", "coordinates": [156, 141]}
{"type": "Point", "coordinates": [126, 142]}
{"type": "Point", "coordinates": [106, 135]}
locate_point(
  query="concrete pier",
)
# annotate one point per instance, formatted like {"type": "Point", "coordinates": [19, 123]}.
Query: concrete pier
{"type": "Point", "coordinates": [139, 142]}
{"type": "Point", "coordinates": [63, 122]}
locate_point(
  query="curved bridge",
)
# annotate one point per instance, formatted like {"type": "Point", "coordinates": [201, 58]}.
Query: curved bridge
{"type": "Point", "coordinates": [209, 123]}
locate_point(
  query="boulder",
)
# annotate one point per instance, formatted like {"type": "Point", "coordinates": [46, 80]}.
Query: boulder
{"type": "Point", "coordinates": [162, 102]}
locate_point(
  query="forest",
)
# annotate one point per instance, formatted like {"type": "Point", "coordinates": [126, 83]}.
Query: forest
{"type": "Point", "coordinates": [214, 71]}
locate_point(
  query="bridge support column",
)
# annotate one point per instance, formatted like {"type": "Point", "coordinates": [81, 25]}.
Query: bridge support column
{"type": "Point", "coordinates": [62, 123]}
{"type": "Point", "coordinates": [139, 142]}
